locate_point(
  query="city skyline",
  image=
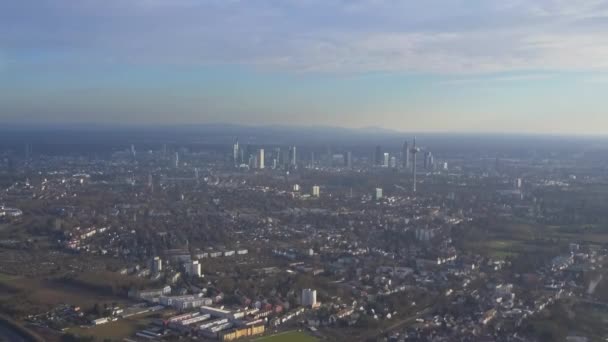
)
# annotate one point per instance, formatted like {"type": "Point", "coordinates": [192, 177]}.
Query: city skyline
{"type": "Point", "coordinates": [448, 66]}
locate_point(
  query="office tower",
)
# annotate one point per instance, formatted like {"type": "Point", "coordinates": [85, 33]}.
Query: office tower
{"type": "Point", "coordinates": [393, 162]}
{"type": "Point", "coordinates": [150, 182]}
{"type": "Point", "coordinates": [378, 156]}
{"type": "Point", "coordinates": [428, 161]}
{"type": "Point", "coordinates": [337, 159]}
{"type": "Point", "coordinates": [378, 194]}
{"type": "Point", "coordinates": [348, 159]}
{"type": "Point", "coordinates": [316, 191]}
{"type": "Point", "coordinates": [309, 297]}
{"type": "Point", "coordinates": [293, 156]}
{"type": "Point", "coordinates": [176, 160]}
{"type": "Point", "coordinates": [405, 155]}
{"type": "Point", "coordinates": [285, 158]}
{"type": "Point", "coordinates": [235, 152]}
{"type": "Point", "coordinates": [414, 152]}
{"type": "Point", "coordinates": [385, 159]}
{"type": "Point", "coordinates": [196, 175]}
{"type": "Point", "coordinates": [518, 183]}
{"type": "Point", "coordinates": [133, 152]}
{"type": "Point", "coordinates": [260, 158]}
{"type": "Point", "coordinates": [296, 187]}
{"type": "Point", "coordinates": [278, 155]}
{"type": "Point", "coordinates": [312, 159]}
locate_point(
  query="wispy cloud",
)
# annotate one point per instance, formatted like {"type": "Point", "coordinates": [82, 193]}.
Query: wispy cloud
{"type": "Point", "coordinates": [439, 36]}
{"type": "Point", "coordinates": [500, 79]}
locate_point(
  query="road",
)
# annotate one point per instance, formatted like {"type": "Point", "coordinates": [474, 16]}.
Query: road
{"type": "Point", "coordinates": [407, 320]}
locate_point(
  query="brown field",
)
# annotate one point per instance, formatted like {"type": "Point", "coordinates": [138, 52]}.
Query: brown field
{"type": "Point", "coordinates": [35, 295]}
{"type": "Point", "coordinates": [115, 330]}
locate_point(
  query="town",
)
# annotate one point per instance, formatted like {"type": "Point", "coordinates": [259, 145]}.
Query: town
{"type": "Point", "coordinates": [409, 242]}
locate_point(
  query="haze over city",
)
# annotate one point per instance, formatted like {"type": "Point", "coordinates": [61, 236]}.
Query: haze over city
{"type": "Point", "coordinates": [303, 170]}
{"type": "Point", "coordinates": [433, 66]}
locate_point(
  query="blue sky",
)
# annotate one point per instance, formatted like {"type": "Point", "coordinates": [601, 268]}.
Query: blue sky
{"type": "Point", "coordinates": [533, 66]}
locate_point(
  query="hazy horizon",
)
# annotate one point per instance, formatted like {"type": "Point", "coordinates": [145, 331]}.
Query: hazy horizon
{"type": "Point", "coordinates": [457, 66]}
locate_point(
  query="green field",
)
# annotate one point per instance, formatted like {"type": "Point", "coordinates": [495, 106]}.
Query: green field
{"type": "Point", "coordinates": [7, 278]}
{"type": "Point", "coordinates": [290, 336]}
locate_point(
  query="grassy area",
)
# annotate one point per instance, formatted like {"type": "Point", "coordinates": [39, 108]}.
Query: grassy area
{"type": "Point", "coordinates": [569, 318]}
{"type": "Point", "coordinates": [499, 249]}
{"type": "Point", "coordinates": [7, 278]}
{"type": "Point", "coordinates": [115, 330]}
{"type": "Point", "coordinates": [290, 336]}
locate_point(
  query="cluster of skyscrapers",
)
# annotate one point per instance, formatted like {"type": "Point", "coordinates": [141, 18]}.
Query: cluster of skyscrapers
{"type": "Point", "coordinates": [408, 157]}
{"type": "Point", "coordinates": [277, 157]}
{"type": "Point", "coordinates": [258, 158]}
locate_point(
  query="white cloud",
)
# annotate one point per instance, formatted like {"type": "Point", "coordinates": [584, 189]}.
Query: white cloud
{"type": "Point", "coordinates": [440, 36]}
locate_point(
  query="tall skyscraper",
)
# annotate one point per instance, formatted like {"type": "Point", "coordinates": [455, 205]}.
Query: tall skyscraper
{"type": "Point", "coordinates": [393, 162]}
{"type": "Point", "coordinates": [292, 156]}
{"type": "Point", "coordinates": [405, 155]}
{"type": "Point", "coordinates": [378, 156]}
{"type": "Point", "coordinates": [348, 159]}
{"type": "Point", "coordinates": [316, 191]}
{"type": "Point", "coordinates": [261, 158]}
{"type": "Point", "coordinates": [176, 160]}
{"type": "Point", "coordinates": [284, 158]}
{"type": "Point", "coordinates": [428, 156]}
{"type": "Point", "coordinates": [278, 155]}
{"type": "Point", "coordinates": [235, 152]}
{"type": "Point", "coordinates": [414, 152]}
{"type": "Point", "coordinates": [385, 159]}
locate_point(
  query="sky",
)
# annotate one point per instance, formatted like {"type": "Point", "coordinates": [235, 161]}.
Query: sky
{"type": "Point", "coordinates": [528, 66]}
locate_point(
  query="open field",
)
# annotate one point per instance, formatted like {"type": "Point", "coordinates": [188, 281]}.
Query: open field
{"type": "Point", "coordinates": [515, 239]}
{"type": "Point", "coordinates": [115, 330]}
{"type": "Point", "coordinates": [36, 295]}
{"type": "Point", "coordinates": [7, 278]}
{"type": "Point", "coordinates": [567, 318]}
{"type": "Point", "coordinates": [290, 336]}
